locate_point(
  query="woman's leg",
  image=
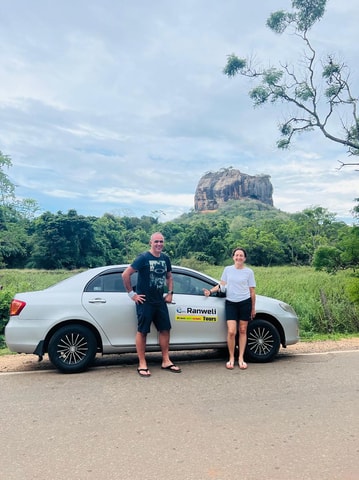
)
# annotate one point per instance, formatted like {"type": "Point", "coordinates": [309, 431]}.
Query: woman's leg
{"type": "Point", "coordinates": [231, 339]}
{"type": "Point", "coordinates": [242, 342]}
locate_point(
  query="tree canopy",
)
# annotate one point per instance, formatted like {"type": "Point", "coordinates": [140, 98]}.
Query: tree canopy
{"type": "Point", "coordinates": [320, 95]}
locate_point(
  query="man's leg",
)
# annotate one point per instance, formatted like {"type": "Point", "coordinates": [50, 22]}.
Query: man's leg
{"type": "Point", "coordinates": [164, 344]}
{"type": "Point", "coordinates": [163, 325]}
{"type": "Point", "coordinates": [141, 351]}
{"type": "Point", "coordinates": [144, 320]}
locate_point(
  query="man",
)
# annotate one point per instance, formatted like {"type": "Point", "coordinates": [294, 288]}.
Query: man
{"type": "Point", "coordinates": [154, 271]}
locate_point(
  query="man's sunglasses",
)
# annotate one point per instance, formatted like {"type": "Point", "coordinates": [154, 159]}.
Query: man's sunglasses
{"type": "Point", "coordinates": [157, 241]}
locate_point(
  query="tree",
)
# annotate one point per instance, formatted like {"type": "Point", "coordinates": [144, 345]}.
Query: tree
{"type": "Point", "coordinates": [327, 258]}
{"type": "Point", "coordinates": [7, 188]}
{"type": "Point", "coordinates": [14, 220]}
{"type": "Point", "coordinates": [290, 234]}
{"type": "Point", "coordinates": [204, 240]}
{"type": "Point", "coordinates": [349, 244]}
{"type": "Point", "coordinates": [263, 247]}
{"type": "Point", "coordinates": [302, 88]}
{"type": "Point", "coordinates": [355, 210]}
{"type": "Point", "coordinates": [64, 241]}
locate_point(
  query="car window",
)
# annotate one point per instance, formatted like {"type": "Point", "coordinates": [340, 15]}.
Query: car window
{"type": "Point", "coordinates": [188, 285]}
{"type": "Point", "coordinates": [110, 282]}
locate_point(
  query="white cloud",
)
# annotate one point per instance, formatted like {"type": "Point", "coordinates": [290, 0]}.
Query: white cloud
{"type": "Point", "coordinates": [113, 196]}
{"type": "Point", "coordinates": [62, 194]}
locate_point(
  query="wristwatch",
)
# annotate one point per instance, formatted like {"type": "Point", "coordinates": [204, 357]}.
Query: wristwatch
{"type": "Point", "coordinates": [170, 291]}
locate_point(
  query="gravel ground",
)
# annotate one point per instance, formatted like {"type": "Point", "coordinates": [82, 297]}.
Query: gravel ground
{"type": "Point", "coordinates": [23, 363]}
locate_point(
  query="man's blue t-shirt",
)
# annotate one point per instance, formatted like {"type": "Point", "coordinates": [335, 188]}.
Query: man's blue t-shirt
{"type": "Point", "coordinates": [152, 273]}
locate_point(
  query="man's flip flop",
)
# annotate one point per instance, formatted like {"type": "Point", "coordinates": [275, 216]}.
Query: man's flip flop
{"type": "Point", "coordinates": [172, 368]}
{"type": "Point", "coordinates": [229, 365]}
{"type": "Point", "coordinates": [243, 366]}
{"type": "Point", "coordinates": [141, 373]}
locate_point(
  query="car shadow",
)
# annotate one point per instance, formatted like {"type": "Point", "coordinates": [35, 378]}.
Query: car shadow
{"type": "Point", "coordinates": [30, 363]}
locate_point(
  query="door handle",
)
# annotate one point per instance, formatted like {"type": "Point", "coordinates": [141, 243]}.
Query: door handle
{"type": "Point", "coordinates": [97, 300]}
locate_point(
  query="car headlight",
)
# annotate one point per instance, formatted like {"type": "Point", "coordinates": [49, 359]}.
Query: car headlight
{"type": "Point", "coordinates": [287, 308]}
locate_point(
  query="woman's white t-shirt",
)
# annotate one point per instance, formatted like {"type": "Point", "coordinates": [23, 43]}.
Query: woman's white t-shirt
{"type": "Point", "coordinates": [238, 281]}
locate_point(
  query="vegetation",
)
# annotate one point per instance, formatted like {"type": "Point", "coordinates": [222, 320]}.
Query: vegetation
{"type": "Point", "coordinates": [71, 241]}
{"type": "Point", "coordinates": [318, 92]}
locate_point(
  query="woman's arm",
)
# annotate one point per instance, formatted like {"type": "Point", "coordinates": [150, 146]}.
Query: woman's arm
{"type": "Point", "coordinates": [252, 292]}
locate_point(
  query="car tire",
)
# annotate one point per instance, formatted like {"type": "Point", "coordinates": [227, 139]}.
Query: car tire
{"type": "Point", "coordinates": [263, 341]}
{"type": "Point", "coordinates": [72, 348]}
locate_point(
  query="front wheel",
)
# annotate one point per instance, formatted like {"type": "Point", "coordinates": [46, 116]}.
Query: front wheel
{"type": "Point", "coordinates": [72, 349]}
{"type": "Point", "coordinates": [263, 341]}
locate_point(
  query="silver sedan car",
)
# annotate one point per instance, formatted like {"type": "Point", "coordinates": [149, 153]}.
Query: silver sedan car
{"type": "Point", "coordinates": [90, 313]}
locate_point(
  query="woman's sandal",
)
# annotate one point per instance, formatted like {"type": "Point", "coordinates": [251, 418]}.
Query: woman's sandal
{"type": "Point", "coordinates": [229, 365]}
{"type": "Point", "coordinates": [243, 365]}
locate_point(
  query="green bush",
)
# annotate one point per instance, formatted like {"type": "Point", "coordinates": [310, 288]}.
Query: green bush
{"type": "Point", "coordinates": [15, 281]}
{"type": "Point", "coordinates": [5, 299]}
{"type": "Point", "coordinates": [353, 288]}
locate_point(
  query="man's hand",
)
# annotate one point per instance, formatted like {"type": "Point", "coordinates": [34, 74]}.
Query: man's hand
{"type": "Point", "coordinates": [139, 298]}
{"type": "Point", "coordinates": [168, 298]}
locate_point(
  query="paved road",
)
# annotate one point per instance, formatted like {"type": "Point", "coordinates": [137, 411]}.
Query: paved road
{"type": "Point", "coordinates": [293, 419]}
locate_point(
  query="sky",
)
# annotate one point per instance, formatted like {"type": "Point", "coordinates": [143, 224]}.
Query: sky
{"type": "Point", "coordinates": [121, 106]}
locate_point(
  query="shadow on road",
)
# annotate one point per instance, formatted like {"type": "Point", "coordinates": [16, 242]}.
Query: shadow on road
{"type": "Point", "coordinates": [26, 363]}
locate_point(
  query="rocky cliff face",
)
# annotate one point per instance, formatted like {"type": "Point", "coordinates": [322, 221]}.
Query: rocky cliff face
{"type": "Point", "coordinates": [216, 188]}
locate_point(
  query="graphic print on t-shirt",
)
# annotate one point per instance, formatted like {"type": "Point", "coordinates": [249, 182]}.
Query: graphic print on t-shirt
{"type": "Point", "coordinates": [157, 273]}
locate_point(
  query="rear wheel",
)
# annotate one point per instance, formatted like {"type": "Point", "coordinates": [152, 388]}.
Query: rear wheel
{"type": "Point", "coordinates": [72, 349]}
{"type": "Point", "coordinates": [263, 341]}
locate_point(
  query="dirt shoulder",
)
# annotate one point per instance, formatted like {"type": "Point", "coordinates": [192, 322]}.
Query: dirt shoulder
{"type": "Point", "coordinates": [23, 363]}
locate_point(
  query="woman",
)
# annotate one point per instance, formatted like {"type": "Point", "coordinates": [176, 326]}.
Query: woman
{"type": "Point", "coordinates": [239, 282]}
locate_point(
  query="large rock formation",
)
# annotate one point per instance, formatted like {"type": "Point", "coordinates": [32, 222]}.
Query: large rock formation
{"type": "Point", "coordinates": [216, 188]}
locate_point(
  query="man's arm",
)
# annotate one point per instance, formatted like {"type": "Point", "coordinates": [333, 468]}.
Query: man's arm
{"type": "Point", "coordinates": [126, 277]}
{"type": "Point", "coordinates": [169, 282]}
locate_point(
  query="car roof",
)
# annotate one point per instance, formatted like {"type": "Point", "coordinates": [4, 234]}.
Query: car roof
{"type": "Point", "coordinates": [84, 277]}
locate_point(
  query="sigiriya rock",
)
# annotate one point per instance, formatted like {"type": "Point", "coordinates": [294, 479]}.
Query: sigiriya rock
{"type": "Point", "coordinates": [216, 188]}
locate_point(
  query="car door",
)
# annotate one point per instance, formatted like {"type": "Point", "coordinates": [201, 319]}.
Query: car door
{"type": "Point", "coordinates": [195, 318]}
{"type": "Point", "coordinates": [106, 299]}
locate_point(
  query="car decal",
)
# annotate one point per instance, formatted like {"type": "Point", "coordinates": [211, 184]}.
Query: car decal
{"type": "Point", "coordinates": [196, 314]}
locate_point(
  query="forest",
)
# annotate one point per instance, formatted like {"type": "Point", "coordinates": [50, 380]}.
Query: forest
{"type": "Point", "coordinates": [272, 237]}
